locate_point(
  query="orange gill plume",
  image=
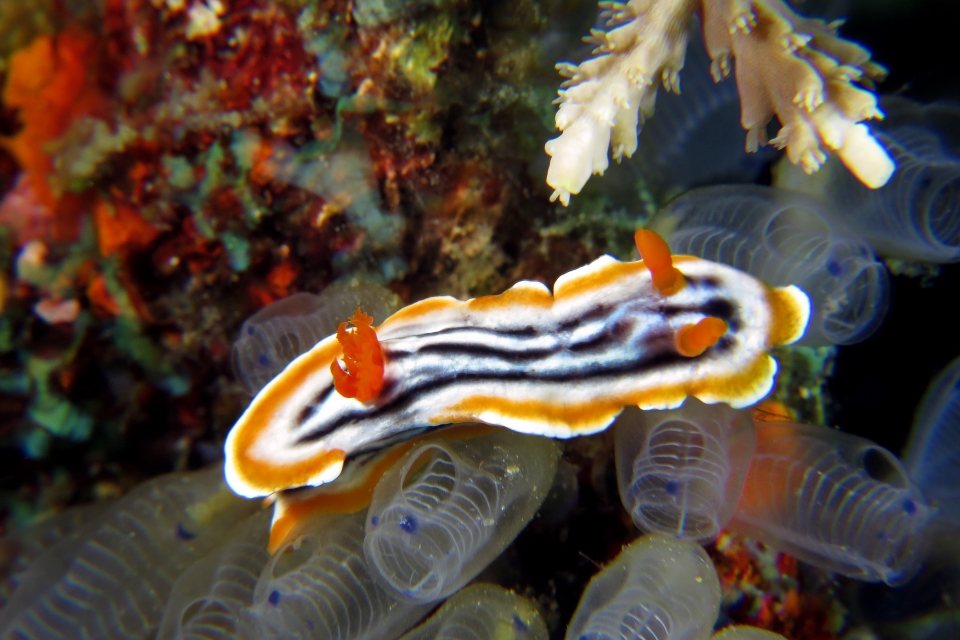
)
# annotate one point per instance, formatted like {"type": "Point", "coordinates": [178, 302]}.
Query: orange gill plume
{"type": "Point", "coordinates": [363, 357]}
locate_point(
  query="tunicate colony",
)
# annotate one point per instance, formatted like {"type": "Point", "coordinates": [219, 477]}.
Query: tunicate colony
{"type": "Point", "coordinates": [196, 565]}
{"type": "Point", "coordinates": [181, 557]}
{"type": "Point", "coordinates": [914, 216]}
{"type": "Point", "coordinates": [783, 237]}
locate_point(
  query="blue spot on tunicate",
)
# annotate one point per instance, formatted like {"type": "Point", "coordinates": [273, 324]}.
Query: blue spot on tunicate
{"type": "Point", "coordinates": [274, 597]}
{"type": "Point", "coordinates": [263, 360]}
{"type": "Point", "coordinates": [374, 521]}
{"type": "Point", "coordinates": [672, 487]}
{"type": "Point", "coordinates": [310, 624]}
{"type": "Point", "coordinates": [833, 268]}
{"type": "Point", "coordinates": [183, 534]}
{"type": "Point", "coordinates": [910, 506]}
{"type": "Point", "coordinates": [408, 523]}
{"type": "Point", "coordinates": [251, 331]}
{"type": "Point", "coordinates": [519, 624]}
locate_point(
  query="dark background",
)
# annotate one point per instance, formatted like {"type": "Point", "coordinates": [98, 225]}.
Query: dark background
{"type": "Point", "coordinates": [877, 384]}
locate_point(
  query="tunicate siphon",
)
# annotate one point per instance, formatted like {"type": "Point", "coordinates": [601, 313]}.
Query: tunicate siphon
{"type": "Point", "coordinates": [448, 508]}
{"type": "Point", "coordinates": [317, 585]}
{"type": "Point", "coordinates": [835, 500]}
{"type": "Point", "coordinates": [656, 589]}
{"type": "Point", "coordinates": [783, 238]}
{"type": "Point", "coordinates": [20, 547]}
{"type": "Point", "coordinates": [483, 612]}
{"type": "Point", "coordinates": [916, 215]}
{"type": "Point", "coordinates": [111, 578]}
{"type": "Point", "coordinates": [932, 457]}
{"type": "Point", "coordinates": [207, 597]}
{"type": "Point", "coordinates": [680, 472]}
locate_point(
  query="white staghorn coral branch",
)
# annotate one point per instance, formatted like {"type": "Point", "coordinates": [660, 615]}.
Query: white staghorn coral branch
{"type": "Point", "coordinates": [607, 96]}
{"type": "Point", "coordinates": [793, 67]}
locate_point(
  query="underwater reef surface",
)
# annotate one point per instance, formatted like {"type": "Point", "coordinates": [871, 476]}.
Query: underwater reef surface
{"type": "Point", "coordinates": [170, 168]}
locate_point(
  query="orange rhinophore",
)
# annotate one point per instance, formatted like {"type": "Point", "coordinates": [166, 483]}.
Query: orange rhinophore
{"type": "Point", "coordinates": [363, 357]}
{"type": "Point", "coordinates": [655, 254]}
{"type": "Point", "coordinates": [694, 339]}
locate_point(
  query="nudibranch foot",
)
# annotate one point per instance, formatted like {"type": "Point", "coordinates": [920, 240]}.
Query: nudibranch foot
{"type": "Point", "coordinates": [559, 364]}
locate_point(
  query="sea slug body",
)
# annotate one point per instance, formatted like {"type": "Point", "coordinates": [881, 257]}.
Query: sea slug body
{"type": "Point", "coordinates": [558, 364]}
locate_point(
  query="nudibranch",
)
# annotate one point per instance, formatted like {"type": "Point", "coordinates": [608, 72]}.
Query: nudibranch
{"type": "Point", "coordinates": [562, 364]}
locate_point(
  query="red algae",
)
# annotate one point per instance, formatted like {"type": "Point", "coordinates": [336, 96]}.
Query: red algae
{"type": "Point", "coordinates": [268, 59]}
{"type": "Point", "coordinates": [51, 84]}
{"type": "Point", "coordinates": [764, 588]}
{"type": "Point", "coordinates": [121, 228]}
{"type": "Point", "coordinates": [22, 212]}
{"type": "Point", "coordinates": [101, 300]}
{"type": "Point", "coordinates": [282, 277]}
